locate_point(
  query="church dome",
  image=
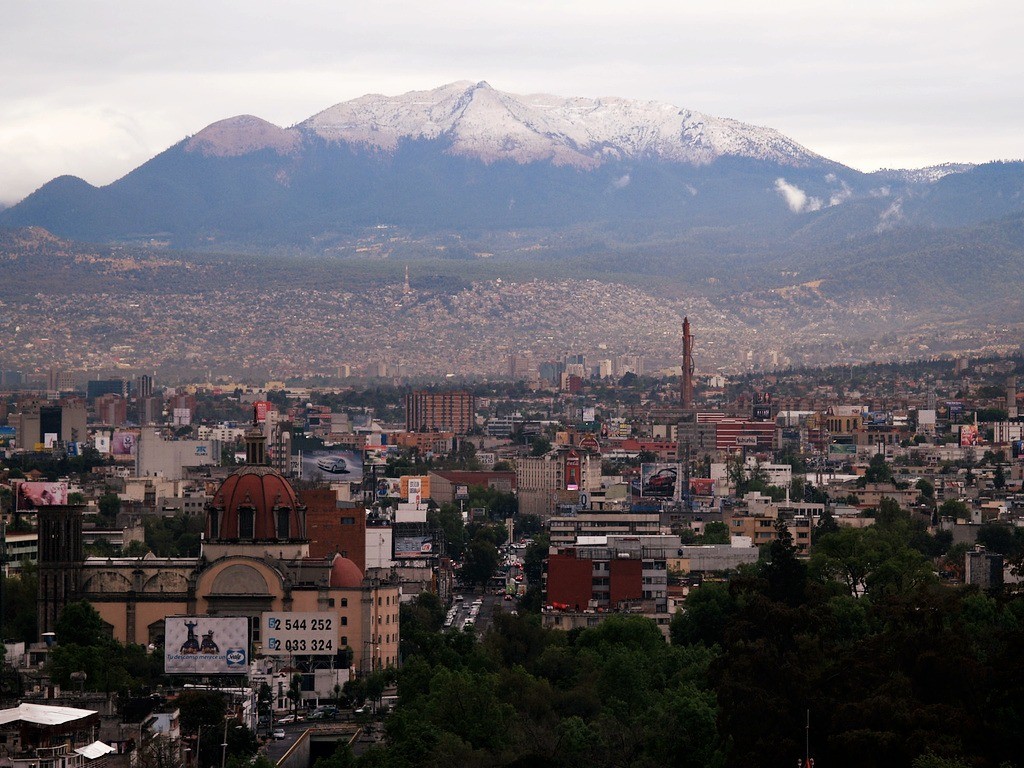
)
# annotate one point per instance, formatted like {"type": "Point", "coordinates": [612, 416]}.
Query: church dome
{"type": "Point", "coordinates": [345, 573]}
{"type": "Point", "coordinates": [255, 503]}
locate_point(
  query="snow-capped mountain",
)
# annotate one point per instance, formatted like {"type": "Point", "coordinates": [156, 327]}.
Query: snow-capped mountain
{"type": "Point", "coordinates": [489, 125]}
{"type": "Point", "coordinates": [466, 157]}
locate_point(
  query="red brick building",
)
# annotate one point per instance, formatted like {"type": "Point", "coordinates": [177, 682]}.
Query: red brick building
{"type": "Point", "coordinates": [332, 529]}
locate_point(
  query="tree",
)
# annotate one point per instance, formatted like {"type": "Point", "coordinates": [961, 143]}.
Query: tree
{"type": "Point", "coordinates": [539, 445]}
{"type": "Point", "coordinates": [199, 708]}
{"type": "Point", "coordinates": [826, 524]}
{"type": "Point", "coordinates": [109, 505]}
{"type": "Point", "coordinates": [295, 692]}
{"type": "Point", "coordinates": [80, 624]}
{"type": "Point", "coordinates": [956, 509]}
{"type": "Point", "coordinates": [708, 610]}
{"type": "Point", "coordinates": [787, 576]}
{"type": "Point", "coordinates": [878, 470]}
{"type": "Point", "coordinates": [482, 558]}
{"type": "Point", "coordinates": [715, 532]}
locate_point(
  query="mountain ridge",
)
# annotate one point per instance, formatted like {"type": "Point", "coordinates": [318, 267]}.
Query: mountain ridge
{"type": "Point", "coordinates": [468, 157]}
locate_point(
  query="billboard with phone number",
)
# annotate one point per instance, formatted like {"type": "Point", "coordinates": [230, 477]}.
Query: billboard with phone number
{"type": "Point", "coordinates": [311, 633]}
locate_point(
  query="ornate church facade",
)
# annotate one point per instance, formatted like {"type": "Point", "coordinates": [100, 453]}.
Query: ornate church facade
{"type": "Point", "coordinates": [254, 559]}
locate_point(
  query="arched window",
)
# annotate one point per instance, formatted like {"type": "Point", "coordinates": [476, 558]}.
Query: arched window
{"type": "Point", "coordinates": [282, 522]}
{"type": "Point", "coordinates": [246, 522]}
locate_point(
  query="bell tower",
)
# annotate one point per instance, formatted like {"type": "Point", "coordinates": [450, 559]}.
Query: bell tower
{"type": "Point", "coordinates": [60, 561]}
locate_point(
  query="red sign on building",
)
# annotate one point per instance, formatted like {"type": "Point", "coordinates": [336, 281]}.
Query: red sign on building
{"type": "Point", "coordinates": [573, 472]}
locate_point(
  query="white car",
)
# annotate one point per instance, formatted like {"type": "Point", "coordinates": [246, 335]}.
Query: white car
{"type": "Point", "coordinates": [333, 464]}
{"type": "Point", "coordinates": [278, 733]}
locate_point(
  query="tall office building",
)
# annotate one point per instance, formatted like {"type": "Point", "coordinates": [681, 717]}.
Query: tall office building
{"type": "Point", "coordinates": [452, 411]}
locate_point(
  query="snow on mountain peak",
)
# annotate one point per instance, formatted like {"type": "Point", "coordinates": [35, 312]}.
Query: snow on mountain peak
{"type": "Point", "coordinates": [492, 125]}
{"type": "Point", "coordinates": [243, 134]}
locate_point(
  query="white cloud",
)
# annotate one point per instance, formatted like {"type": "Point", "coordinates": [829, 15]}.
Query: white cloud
{"type": "Point", "coordinates": [891, 216]}
{"type": "Point", "coordinates": [840, 195]}
{"type": "Point", "coordinates": [797, 200]}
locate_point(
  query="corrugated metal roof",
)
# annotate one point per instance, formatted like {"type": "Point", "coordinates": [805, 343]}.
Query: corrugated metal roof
{"type": "Point", "coordinates": [43, 714]}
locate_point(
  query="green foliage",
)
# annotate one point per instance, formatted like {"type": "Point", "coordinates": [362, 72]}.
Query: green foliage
{"type": "Point", "coordinates": [80, 624]}
{"type": "Point", "coordinates": [21, 595]}
{"type": "Point", "coordinates": [615, 694]}
{"type": "Point", "coordinates": [539, 445]}
{"type": "Point", "coordinates": [199, 708]}
{"type": "Point", "coordinates": [715, 533]}
{"type": "Point", "coordinates": [878, 471]}
{"type": "Point", "coordinates": [482, 558]}
{"type": "Point", "coordinates": [707, 612]}
{"type": "Point", "coordinates": [109, 505]}
{"type": "Point", "coordinates": [448, 522]}
{"type": "Point", "coordinates": [177, 536]}
{"type": "Point", "coordinates": [955, 509]}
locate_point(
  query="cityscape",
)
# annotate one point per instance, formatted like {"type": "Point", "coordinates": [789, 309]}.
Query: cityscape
{"type": "Point", "coordinates": [511, 386]}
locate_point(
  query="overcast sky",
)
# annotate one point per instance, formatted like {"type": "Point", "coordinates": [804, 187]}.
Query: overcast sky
{"type": "Point", "coordinates": [94, 88]}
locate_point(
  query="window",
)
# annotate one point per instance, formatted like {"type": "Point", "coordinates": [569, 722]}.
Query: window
{"type": "Point", "coordinates": [344, 640]}
{"type": "Point", "coordinates": [344, 602]}
{"type": "Point", "coordinates": [348, 521]}
{"type": "Point", "coordinates": [246, 522]}
{"type": "Point", "coordinates": [282, 523]}
{"type": "Point", "coordinates": [214, 523]}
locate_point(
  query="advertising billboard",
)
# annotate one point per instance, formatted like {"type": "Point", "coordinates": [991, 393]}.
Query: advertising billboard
{"type": "Point", "coordinates": [7, 435]}
{"type": "Point", "coordinates": [413, 546]}
{"type": "Point", "coordinates": [124, 443]}
{"type": "Point", "coordinates": [415, 485]}
{"type": "Point", "coordinates": [842, 451]}
{"type": "Point", "coordinates": [389, 487]}
{"type": "Point", "coordinates": [262, 406]}
{"type": "Point", "coordinates": [181, 417]}
{"type": "Point", "coordinates": [206, 645]}
{"type": "Point", "coordinates": [747, 440]}
{"type": "Point", "coordinates": [331, 464]}
{"type": "Point", "coordinates": [313, 633]}
{"type": "Point", "coordinates": [573, 473]}
{"type": "Point", "coordinates": [102, 442]}
{"type": "Point", "coordinates": [968, 435]}
{"type": "Point", "coordinates": [658, 481]}
{"type": "Point", "coordinates": [32, 495]}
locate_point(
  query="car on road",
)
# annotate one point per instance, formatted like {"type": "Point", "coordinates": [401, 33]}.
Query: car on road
{"type": "Point", "coordinates": [286, 719]}
{"type": "Point", "coordinates": [278, 733]}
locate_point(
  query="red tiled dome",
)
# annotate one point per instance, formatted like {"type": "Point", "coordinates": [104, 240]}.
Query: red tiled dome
{"type": "Point", "coordinates": [345, 573]}
{"type": "Point", "coordinates": [255, 503]}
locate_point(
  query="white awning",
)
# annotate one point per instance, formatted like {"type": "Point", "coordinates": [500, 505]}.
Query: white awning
{"type": "Point", "coordinates": [94, 750]}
